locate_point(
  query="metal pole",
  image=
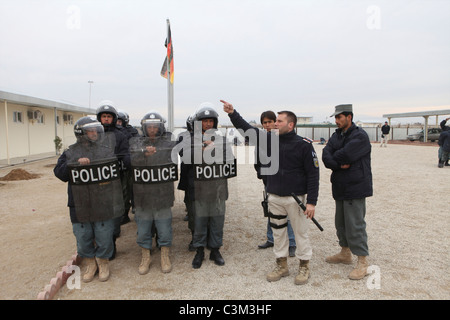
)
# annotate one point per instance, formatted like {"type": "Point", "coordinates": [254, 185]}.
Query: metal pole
{"type": "Point", "coordinates": [55, 113]}
{"type": "Point", "coordinates": [425, 130]}
{"type": "Point", "coordinates": [7, 134]}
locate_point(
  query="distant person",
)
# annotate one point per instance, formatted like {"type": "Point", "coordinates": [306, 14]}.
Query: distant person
{"type": "Point", "coordinates": [444, 127]}
{"type": "Point", "coordinates": [444, 144]}
{"type": "Point", "coordinates": [385, 129]}
{"type": "Point", "coordinates": [443, 124]}
{"type": "Point", "coordinates": [268, 119]}
{"type": "Point", "coordinates": [347, 154]}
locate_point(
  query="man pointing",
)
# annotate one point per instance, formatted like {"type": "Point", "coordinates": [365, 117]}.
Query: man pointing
{"type": "Point", "coordinates": [298, 172]}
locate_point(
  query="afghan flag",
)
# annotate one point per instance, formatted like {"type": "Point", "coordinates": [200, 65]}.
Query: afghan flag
{"type": "Point", "coordinates": [169, 56]}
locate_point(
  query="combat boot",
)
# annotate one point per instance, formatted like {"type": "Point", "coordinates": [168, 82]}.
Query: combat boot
{"type": "Point", "coordinates": [303, 272]}
{"type": "Point", "coordinates": [166, 266]}
{"type": "Point", "coordinates": [103, 269]}
{"type": "Point", "coordinates": [360, 270]}
{"type": "Point", "coordinates": [144, 267]}
{"type": "Point", "coordinates": [198, 259]}
{"type": "Point", "coordinates": [216, 257]}
{"type": "Point", "coordinates": [345, 257]}
{"type": "Point", "coordinates": [281, 270]}
{"type": "Point", "coordinates": [91, 269]}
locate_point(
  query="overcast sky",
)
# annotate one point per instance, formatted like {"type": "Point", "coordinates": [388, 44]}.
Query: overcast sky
{"type": "Point", "coordinates": [305, 56]}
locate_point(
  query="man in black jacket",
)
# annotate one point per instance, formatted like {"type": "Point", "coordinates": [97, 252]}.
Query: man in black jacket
{"type": "Point", "coordinates": [298, 172]}
{"type": "Point", "coordinates": [444, 127]}
{"type": "Point", "coordinates": [347, 154]}
{"type": "Point", "coordinates": [385, 129]}
{"type": "Point", "coordinates": [444, 144]}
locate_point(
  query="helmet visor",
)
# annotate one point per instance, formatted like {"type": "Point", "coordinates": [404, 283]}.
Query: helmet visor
{"type": "Point", "coordinates": [152, 127]}
{"type": "Point", "coordinates": [92, 130]}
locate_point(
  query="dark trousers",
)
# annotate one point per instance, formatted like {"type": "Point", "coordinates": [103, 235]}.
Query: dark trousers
{"type": "Point", "coordinates": [351, 226]}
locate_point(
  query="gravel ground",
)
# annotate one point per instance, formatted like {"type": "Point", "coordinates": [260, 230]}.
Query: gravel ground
{"type": "Point", "coordinates": [407, 224]}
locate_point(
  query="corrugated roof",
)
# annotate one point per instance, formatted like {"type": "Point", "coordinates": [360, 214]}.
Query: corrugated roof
{"type": "Point", "coordinates": [418, 114]}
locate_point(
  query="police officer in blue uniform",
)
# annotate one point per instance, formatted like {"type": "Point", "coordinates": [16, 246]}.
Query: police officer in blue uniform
{"type": "Point", "coordinates": [298, 173]}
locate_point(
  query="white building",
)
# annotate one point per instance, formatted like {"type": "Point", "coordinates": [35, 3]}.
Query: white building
{"type": "Point", "coordinates": [304, 120]}
{"type": "Point", "coordinates": [29, 126]}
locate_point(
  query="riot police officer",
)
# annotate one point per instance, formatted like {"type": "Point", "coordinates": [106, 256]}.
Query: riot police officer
{"type": "Point", "coordinates": [123, 121]}
{"type": "Point", "coordinates": [183, 183]}
{"type": "Point", "coordinates": [91, 169]}
{"type": "Point", "coordinates": [107, 115]}
{"type": "Point", "coordinates": [153, 174]}
{"type": "Point", "coordinates": [206, 151]}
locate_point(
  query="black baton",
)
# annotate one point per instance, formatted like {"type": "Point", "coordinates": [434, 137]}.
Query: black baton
{"type": "Point", "coordinates": [300, 203]}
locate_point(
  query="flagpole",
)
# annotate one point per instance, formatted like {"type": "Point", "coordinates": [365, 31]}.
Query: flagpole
{"type": "Point", "coordinates": [169, 89]}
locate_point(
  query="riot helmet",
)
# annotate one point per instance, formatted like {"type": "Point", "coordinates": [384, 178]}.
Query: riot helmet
{"type": "Point", "coordinates": [153, 119]}
{"type": "Point", "coordinates": [84, 126]}
{"type": "Point", "coordinates": [206, 111]}
{"type": "Point", "coordinates": [122, 115]}
{"type": "Point", "coordinates": [107, 106]}
{"type": "Point", "coordinates": [190, 123]}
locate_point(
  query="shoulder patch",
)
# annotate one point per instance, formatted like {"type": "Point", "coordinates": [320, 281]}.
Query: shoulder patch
{"type": "Point", "coordinates": [306, 139]}
{"type": "Point", "coordinates": [315, 159]}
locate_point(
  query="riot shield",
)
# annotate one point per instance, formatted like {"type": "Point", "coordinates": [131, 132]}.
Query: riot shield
{"type": "Point", "coordinates": [153, 175]}
{"type": "Point", "coordinates": [218, 164]}
{"type": "Point", "coordinates": [96, 186]}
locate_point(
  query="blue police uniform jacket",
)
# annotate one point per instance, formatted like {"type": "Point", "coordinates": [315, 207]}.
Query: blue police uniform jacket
{"type": "Point", "coordinates": [298, 170]}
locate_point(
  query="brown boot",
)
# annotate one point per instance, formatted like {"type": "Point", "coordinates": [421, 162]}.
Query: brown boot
{"type": "Point", "coordinates": [166, 266]}
{"type": "Point", "coordinates": [91, 269]}
{"type": "Point", "coordinates": [103, 269]}
{"type": "Point", "coordinates": [144, 267]}
{"type": "Point", "coordinates": [281, 270]}
{"type": "Point", "coordinates": [360, 270]}
{"type": "Point", "coordinates": [345, 257]}
{"type": "Point", "coordinates": [303, 272]}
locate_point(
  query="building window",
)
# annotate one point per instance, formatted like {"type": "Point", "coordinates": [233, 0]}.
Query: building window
{"type": "Point", "coordinates": [57, 119]}
{"type": "Point", "coordinates": [38, 116]}
{"type": "Point", "coordinates": [68, 118]}
{"type": "Point", "coordinates": [17, 117]}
